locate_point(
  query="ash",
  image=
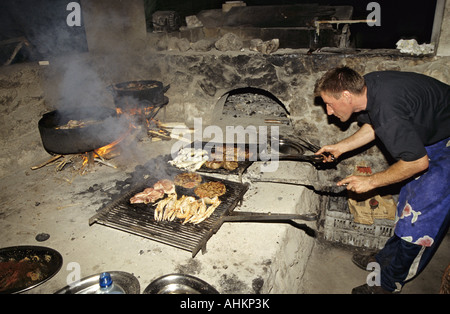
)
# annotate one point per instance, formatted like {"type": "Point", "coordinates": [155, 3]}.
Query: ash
{"type": "Point", "coordinates": [249, 104]}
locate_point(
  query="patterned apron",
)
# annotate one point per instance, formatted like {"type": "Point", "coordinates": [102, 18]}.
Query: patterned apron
{"type": "Point", "coordinates": [424, 202]}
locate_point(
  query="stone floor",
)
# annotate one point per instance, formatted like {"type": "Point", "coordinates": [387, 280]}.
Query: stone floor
{"type": "Point", "coordinates": [330, 271]}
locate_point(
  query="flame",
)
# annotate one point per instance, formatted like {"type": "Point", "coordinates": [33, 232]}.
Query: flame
{"type": "Point", "coordinates": [85, 161]}
{"type": "Point", "coordinates": [143, 113]}
{"type": "Point", "coordinates": [106, 152]}
{"type": "Point", "coordinates": [136, 111]}
{"type": "Point", "coordinates": [109, 151]}
{"type": "Point", "coordinates": [110, 148]}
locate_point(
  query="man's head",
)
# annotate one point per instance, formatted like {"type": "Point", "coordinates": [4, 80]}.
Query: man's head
{"type": "Point", "coordinates": [343, 90]}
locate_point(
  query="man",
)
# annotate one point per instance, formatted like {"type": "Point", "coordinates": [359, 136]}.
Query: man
{"type": "Point", "coordinates": [410, 114]}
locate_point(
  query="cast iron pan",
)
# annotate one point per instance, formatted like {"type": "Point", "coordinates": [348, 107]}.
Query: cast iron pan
{"type": "Point", "coordinates": [133, 93]}
{"type": "Point", "coordinates": [106, 129]}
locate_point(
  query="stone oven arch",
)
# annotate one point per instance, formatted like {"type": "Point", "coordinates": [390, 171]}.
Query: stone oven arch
{"type": "Point", "coordinates": [250, 103]}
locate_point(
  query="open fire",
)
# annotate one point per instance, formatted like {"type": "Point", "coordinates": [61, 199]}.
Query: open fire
{"type": "Point", "coordinates": [136, 117]}
{"type": "Point", "coordinates": [103, 154]}
{"type": "Point", "coordinates": [142, 113]}
{"type": "Point", "coordinates": [141, 117]}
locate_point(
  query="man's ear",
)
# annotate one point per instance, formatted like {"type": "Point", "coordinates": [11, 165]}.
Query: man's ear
{"type": "Point", "coordinates": [347, 95]}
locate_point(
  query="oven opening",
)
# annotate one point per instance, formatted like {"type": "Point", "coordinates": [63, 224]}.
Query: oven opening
{"type": "Point", "coordinates": [251, 106]}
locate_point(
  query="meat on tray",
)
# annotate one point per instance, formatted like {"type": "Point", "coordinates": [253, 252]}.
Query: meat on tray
{"type": "Point", "coordinates": [210, 189]}
{"type": "Point", "coordinates": [166, 185]}
{"type": "Point", "coordinates": [223, 157]}
{"type": "Point", "coordinates": [188, 180]}
{"type": "Point", "coordinates": [187, 208]}
{"type": "Point", "coordinates": [152, 194]}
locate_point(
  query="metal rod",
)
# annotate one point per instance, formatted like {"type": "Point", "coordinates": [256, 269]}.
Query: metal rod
{"type": "Point", "coordinates": [317, 23]}
{"type": "Point", "coordinates": [249, 216]}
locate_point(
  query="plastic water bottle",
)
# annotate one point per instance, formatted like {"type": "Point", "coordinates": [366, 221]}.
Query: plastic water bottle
{"type": "Point", "coordinates": [107, 285]}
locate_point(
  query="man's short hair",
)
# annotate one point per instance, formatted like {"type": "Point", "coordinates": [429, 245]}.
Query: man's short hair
{"type": "Point", "coordinates": [337, 80]}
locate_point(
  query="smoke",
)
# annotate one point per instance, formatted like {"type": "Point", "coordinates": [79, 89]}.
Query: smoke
{"type": "Point", "coordinates": [81, 88]}
{"type": "Point", "coordinates": [76, 81]}
{"type": "Point", "coordinates": [43, 24]}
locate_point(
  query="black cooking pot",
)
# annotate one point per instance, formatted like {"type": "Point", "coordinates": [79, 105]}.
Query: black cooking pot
{"type": "Point", "coordinates": [133, 94]}
{"type": "Point", "coordinates": [102, 128]}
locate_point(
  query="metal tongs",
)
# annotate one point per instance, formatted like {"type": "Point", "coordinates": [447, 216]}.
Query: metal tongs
{"type": "Point", "coordinates": [252, 216]}
{"type": "Point", "coordinates": [315, 159]}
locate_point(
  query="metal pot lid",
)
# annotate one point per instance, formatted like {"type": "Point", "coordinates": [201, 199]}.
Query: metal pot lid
{"type": "Point", "coordinates": [89, 285]}
{"type": "Point", "coordinates": [25, 267]}
{"type": "Point", "coordinates": [179, 284]}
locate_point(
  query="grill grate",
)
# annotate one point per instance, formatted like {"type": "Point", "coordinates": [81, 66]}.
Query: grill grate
{"type": "Point", "coordinates": [139, 218]}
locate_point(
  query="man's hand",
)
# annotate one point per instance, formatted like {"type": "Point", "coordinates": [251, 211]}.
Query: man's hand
{"type": "Point", "coordinates": [398, 172]}
{"type": "Point", "coordinates": [357, 184]}
{"type": "Point", "coordinates": [333, 151]}
{"type": "Point", "coordinates": [364, 135]}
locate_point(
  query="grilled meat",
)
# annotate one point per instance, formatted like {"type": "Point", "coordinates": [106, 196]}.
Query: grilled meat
{"type": "Point", "coordinates": [210, 189]}
{"type": "Point", "coordinates": [152, 194]}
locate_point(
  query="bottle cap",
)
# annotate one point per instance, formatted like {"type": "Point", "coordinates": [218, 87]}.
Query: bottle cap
{"type": "Point", "coordinates": [105, 280]}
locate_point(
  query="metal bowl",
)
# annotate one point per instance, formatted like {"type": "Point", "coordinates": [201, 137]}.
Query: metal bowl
{"type": "Point", "coordinates": [25, 267]}
{"type": "Point", "coordinates": [89, 285]}
{"type": "Point", "coordinates": [179, 284]}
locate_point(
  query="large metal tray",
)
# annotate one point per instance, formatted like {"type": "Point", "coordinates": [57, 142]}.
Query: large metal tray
{"type": "Point", "coordinates": [210, 147]}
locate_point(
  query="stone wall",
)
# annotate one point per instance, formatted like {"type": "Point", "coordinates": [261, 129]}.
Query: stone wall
{"type": "Point", "coordinates": [443, 48]}
{"type": "Point", "coordinates": [198, 80]}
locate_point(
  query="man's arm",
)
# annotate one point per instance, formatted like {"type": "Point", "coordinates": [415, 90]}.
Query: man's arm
{"type": "Point", "coordinates": [398, 172]}
{"type": "Point", "coordinates": [363, 136]}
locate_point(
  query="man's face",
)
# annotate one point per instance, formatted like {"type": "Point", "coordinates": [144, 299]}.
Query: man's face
{"type": "Point", "coordinates": [341, 108]}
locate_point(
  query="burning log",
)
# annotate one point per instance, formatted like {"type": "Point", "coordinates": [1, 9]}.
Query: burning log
{"type": "Point", "coordinates": [87, 159]}
{"type": "Point", "coordinates": [160, 133]}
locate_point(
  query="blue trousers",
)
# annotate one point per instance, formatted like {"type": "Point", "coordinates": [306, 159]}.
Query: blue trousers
{"type": "Point", "coordinates": [400, 261]}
